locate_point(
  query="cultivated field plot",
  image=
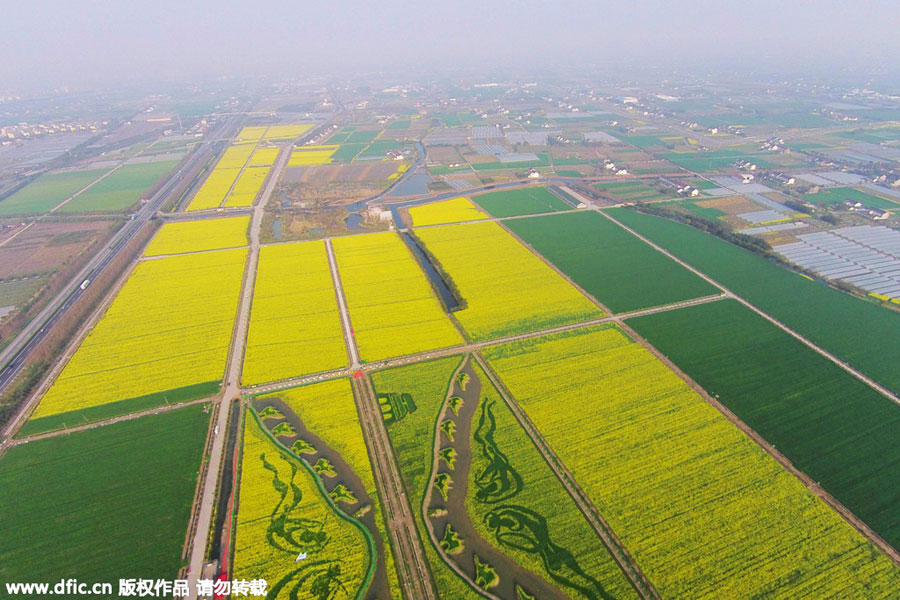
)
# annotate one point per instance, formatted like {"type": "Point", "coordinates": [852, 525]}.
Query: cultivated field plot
{"type": "Point", "coordinates": [214, 189]}
{"type": "Point", "coordinates": [166, 335]}
{"type": "Point", "coordinates": [48, 245]}
{"type": "Point", "coordinates": [295, 326]}
{"type": "Point", "coordinates": [264, 157]}
{"type": "Point", "coordinates": [629, 191]}
{"type": "Point", "coordinates": [247, 187]}
{"type": "Point", "coordinates": [198, 236]}
{"type": "Point", "coordinates": [252, 132]}
{"type": "Point", "coordinates": [609, 263]}
{"type": "Point", "coordinates": [829, 424]}
{"type": "Point", "coordinates": [47, 191]}
{"type": "Point", "coordinates": [286, 132]}
{"type": "Point", "coordinates": [144, 471]}
{"type": "Point", "coordinates": [455, 210]}
{"type": "Point", "coordinates": [703, 510]}
{"type": "Point", "coordinates": [427, 383]}
{"type": "Point", "coordinates": [282, 512]}
{"type": "Point", "coordinates": [859, 332]}
{"type": "Point", "coordinates": [508, 289]}
{"type": "Point", "coordinates": [17, 292]}
{"type": "Point", "coordinates": [525, 201]}
{"type": "Point", "coordinates": [121, 190]}
{"type": "Point", "coordinates": [357, 173]}
{"type": "Point", "coordinates": [718, 160]}
{"type": "Point", "coordinates": [494, 500]}
{"type": "Point", "coordinates": [311, 155]}
{"type": "Point", "coordinates": [236, 156]}
{"type": "Point", "coordinates": [320, 424]}
{"type": "Point", "coordinates": [832, 196]}
{"type": "Point", "coordinates": [393, 308]}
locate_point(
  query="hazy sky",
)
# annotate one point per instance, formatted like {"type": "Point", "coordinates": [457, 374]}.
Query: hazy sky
{"type": "Point", "coordinates": [70, 42]}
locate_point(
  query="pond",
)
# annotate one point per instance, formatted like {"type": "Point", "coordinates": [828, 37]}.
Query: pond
{"type": "Point", "coordinates": [353, 221]}
{"type": "Point", "coordinates": [276, 228]}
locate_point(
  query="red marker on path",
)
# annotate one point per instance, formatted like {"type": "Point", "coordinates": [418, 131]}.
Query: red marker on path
{"type": "Point", "coordinates": [358, 375]}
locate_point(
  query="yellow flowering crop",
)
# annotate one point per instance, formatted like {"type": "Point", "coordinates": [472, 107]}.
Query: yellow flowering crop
{"type": "Point", "coordinates": [508, 289]}
{"type": "Point", "coordinates": [252, 132]}
{"type": "Point", "coordinates": [311, 155]}
{"type": "Point", "coordinates": [235, 156]}
{"type": "Point", "coordinates": [281, 514]}
{"type": "Point", "coordinates": [400, 171]}
{"type": "Point", "coordinates": [247, 187]}
{"type": "Point", "coordinates": [392, 307]}
{"type": "Point", "coordinates": [286, 132]}
{"type": "Point", "coordinates": [295, 326]}
{"type": "Point", "coordinates": [264, 157]}
{"type": "Point", "coordinates": [179, 237]}
{"type": "Point", "coordinates": [328, 409]}
{"type": "Point", "coordinates": [214, 189]}
{"type": "Point", "coordinates": [169, 327]}
{"type": "Point", "coordinates": [454, 210]}
{"type": "Point", "coordinates": [704, 511]}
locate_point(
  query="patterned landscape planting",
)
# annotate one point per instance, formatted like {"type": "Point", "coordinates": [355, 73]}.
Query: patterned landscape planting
{"type": "Point", "coordinates": [829, 424]}
{"type": "Point", "coordinates": [412, 436]}
{"type": "Point", "coordinates": [283, 512]}
{"type": "Point", "coordinates": [703, 510]}
{"type": "Point", "coordinates": [169, 327]}
{"type": "Point", "coordinates": [392, 306]}
{"type": "Point", "coordinates": [609, 263]}
{"type": "Point", "coordinates": [98, 504]}
{"type": "Point", "coordinates": [333, 445]}
{"type": "Point", "coordinates": [197, 236]}
{"type": "Point", "coordinates": [295, 326]}
{"type": "Point", "coordinates": [861, 333]}
{"type": "Point", "coordinates": [513, 516]}
{"type": "Point", "coordinates": [454, 210]}
{"type": "Point", "coordinates": [509, 290]}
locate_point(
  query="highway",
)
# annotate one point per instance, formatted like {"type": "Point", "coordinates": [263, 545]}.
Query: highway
{"type": "Point", "coordinates": [14, 356]}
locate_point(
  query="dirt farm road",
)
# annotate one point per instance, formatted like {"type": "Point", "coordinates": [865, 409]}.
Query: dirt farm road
{"type": "Point", "coordinates": [232, 383]}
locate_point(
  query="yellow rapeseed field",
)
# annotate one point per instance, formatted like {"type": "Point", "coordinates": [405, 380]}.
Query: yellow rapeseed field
{"type": "Point", "coordinates": [247, 187]}
{"type": "Point", "coordinates": [328, 409]}
{"type": "Point", "coordinates": [392, 307]}
{"type": "Point", "coordinates": [236, 156]}
{"type": "Point", "coordinates": [704, 511]}
{"type": "Point", "coordinates": [508, 289]}
{"type": "Point", "coordinates": [454, 210]}
{"type": "Point", "coordinates": [214, 189]}
{"type": "Point", "coordinates": [169, 327]}
{"type": "Point", "coordinates": [282, 513]}
{"type": "Point", "coordinates": [311, 155]}
{"type": "Point", "coordinates": [295, 326]}
{"type": "Point", "coordinates": [252, 132]}
{"type": "Point", "coordinates": [287, 132]}
{"type": "Point", "coordinates": [195, 236]}
{"type": "Point", "coordinates": [264, 157]}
